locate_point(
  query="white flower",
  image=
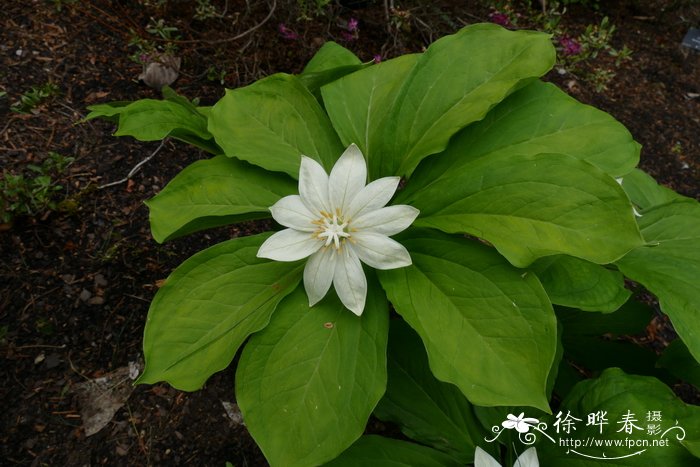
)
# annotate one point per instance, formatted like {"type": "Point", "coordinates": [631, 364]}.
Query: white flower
{"type": "Point", "coordinates": [521, 424]}
{"type": "Point", "coordinates": [338, 222]}
{"type": "Point", "coordinates": [526, 459]}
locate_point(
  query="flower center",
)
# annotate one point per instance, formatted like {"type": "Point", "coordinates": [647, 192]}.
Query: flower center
{"type": "Point", "coordinates": [332, 229]}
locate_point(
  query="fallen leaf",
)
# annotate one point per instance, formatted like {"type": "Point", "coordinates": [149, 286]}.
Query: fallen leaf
{"type": "Point", "coordinates": [233, 412]}
{"type": "Point", "coordinates": [99, 399]}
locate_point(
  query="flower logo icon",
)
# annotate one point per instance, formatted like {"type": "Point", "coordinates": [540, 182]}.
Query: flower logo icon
{"type": "Point", "coordinates": [520, 423]}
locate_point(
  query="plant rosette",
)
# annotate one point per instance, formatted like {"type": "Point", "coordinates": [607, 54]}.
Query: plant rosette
{"type": "Point", "coordinates": [499, 194]}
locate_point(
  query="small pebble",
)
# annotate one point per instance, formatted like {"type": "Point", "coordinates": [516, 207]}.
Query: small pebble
{"type": "Point", "coordinates": [85, 295]}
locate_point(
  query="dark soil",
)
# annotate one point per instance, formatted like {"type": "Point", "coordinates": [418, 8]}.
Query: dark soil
{"type": "Point", "coordinates": [76, 282]}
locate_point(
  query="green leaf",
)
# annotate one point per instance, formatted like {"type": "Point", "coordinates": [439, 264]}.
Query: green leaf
{"type": "Point", "coordinates": [576, 283]}
{"type": "Point", "coordinates": [530, 206]}
{"type": "Point", "coordinates": [632, 318]}
{"type": "Point", "coordinates": [109, 111]}
{"type": "Point", "coordinates": [215, 192]}
{"type": "Point", "coordinates": [487, 327]}
{"type": "Point", "coordinates": [426, 409]}
{"type": "Point", "coordinates": [152, 120]}
{"type": "Point", "coordinates": [208, 306]}
{"type": "Point", "coordinates": [207, 144]}
{"type": "Point", "coordinates": [680, 363]}
{"type": "Point", "coordinates": [645, 193]}
{"type": "Point", "coordinates": [271, 123]}
{"type": "Point", "coordinates": [331, 55]}
{"type": "Point", "coordinates": [308, 382]}
{"type": "Point", "coordinates": [359, 106]}
{"type": "Point", "coordinates": [617, 394]}
{"type": "Point", "coordinates": [539, 118]}
{"type": "Point", "coordinates": [595, 341]}
{"type": "Point", "coordinates": [458, 80]}
{"type": "Point", "coordinates": [331, 62]}
{"type": "Point", "coordinates": [454, 83]}
{"type": "Point", "coordinates": [170, 95]}
{"type": "Point", "coordinates": [670, 266]}
{"type": "Point", "coordinates": [377, 451]}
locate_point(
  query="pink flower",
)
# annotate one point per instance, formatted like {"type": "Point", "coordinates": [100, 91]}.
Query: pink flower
{"type": "Point", "coordinates": [347, 36]}
{"type": "Point", "coordinates": [287, 33]}
{"type": "Point", "coordinates": [377, 58]}
{"type": "Point", "coordinates": [500, 19]}
{"type": "Point", "coordinates": [569, 46]}
{"type": "Point", "coordinates": [352, 24]}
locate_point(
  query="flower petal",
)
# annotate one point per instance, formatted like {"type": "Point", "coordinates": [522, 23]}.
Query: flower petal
{"type": "Point", "coordinates": [289, 245]}
{"type": "Point", "coordinates": [349, 280]}
{"type": "Point", "coordinates": [484, 459]}
{"type": "Point", "coordinates": [527, 459]}
{"type": "Point", "coordinates": [379, 251]}
{"type": "Point", "coordinates": [509, 424]}
{"type": "Point", "coordinates": [291, 211]}
{"type": "Point", "coordinates": [347, 178]}
{"type": "Point", "coordinates": [387, 221]}
{"type": "Point", "coordinates": [313, 185]}
{"type": "Point", "coordinates": [318, 274]}
{"type": "Point", "coordinates": [522, 427]}
{"type": "Point", "coordinates": [373, 196]}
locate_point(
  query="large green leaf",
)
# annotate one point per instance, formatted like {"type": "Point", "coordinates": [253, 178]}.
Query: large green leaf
{"type": "Point", "coordinates": [454, 83]}
{"type": "Point", "coordinates": [618, 394]}
{"type": "Point", "coordinates": [153, 120]}
{"type": "Point", "coordinates": [645, 193]}
{"type": "Point", "coordinates": [596, 341]}
{"type": "Point", "coordinates": [271, 123]}
{"type": "Point", "coordinates": [580, 284]}
{"type": "Point", "coordinates": [331, 62]}
{"type": "Point", "coordinates": [360, 104]}
{"type": "Point", "coordinates": [377, 451]}
{"type": "Point", "coordinates": [426, 409]}
{"type": "Point", "coordinates": [539, 118]}
{"type": "Point", "coordinates": [215, 192]}
{"type": "Point", "coordinates": [308, 382]}
{"type": "Point", "coordinates": [669, 266]}
{"type": "Point", "coordinates": [680, 363]}
{"type": "Point", "coordinates": [632, 318]}
{"type": "Point", "coordinates": [530, 206]}
{"type": "Point", "coordinates": [208, 306]}
{"type": "Point", "coordinates": [487, 327]}
{"type": "Point", "coordinates": [331, 55]}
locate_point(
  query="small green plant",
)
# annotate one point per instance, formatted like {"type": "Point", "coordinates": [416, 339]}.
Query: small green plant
{"type": "Point", "coordinates": [59, 4]}
{"type": "Point", "coordinates": [205, 10]}
{"type": "Point", "coordinates": [310, 8]}
{"type": "Point", "coordinates": [594, 4]}
{"type": "Point", "coordinates": [147, 49]}
{"type": "Point", "coordinates": [576, 54]}
{"type": "Point", "coordinates": [213, 74]}
{"type": "Point", "coordinates": [33, 193]}
{"type": "Point", "coordinates": [159, 28]}
{"type": "Point", "coordinates": [594, 40]}
{"type": "Point", "coordinates": [35, 96]}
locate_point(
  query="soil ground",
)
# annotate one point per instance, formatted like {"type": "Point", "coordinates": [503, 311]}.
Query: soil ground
{"type": "Point", "coordinates": [76, 282]}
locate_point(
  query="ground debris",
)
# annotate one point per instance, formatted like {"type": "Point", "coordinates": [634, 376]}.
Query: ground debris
{"type": "Point", "coordinates": [99, 399]}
